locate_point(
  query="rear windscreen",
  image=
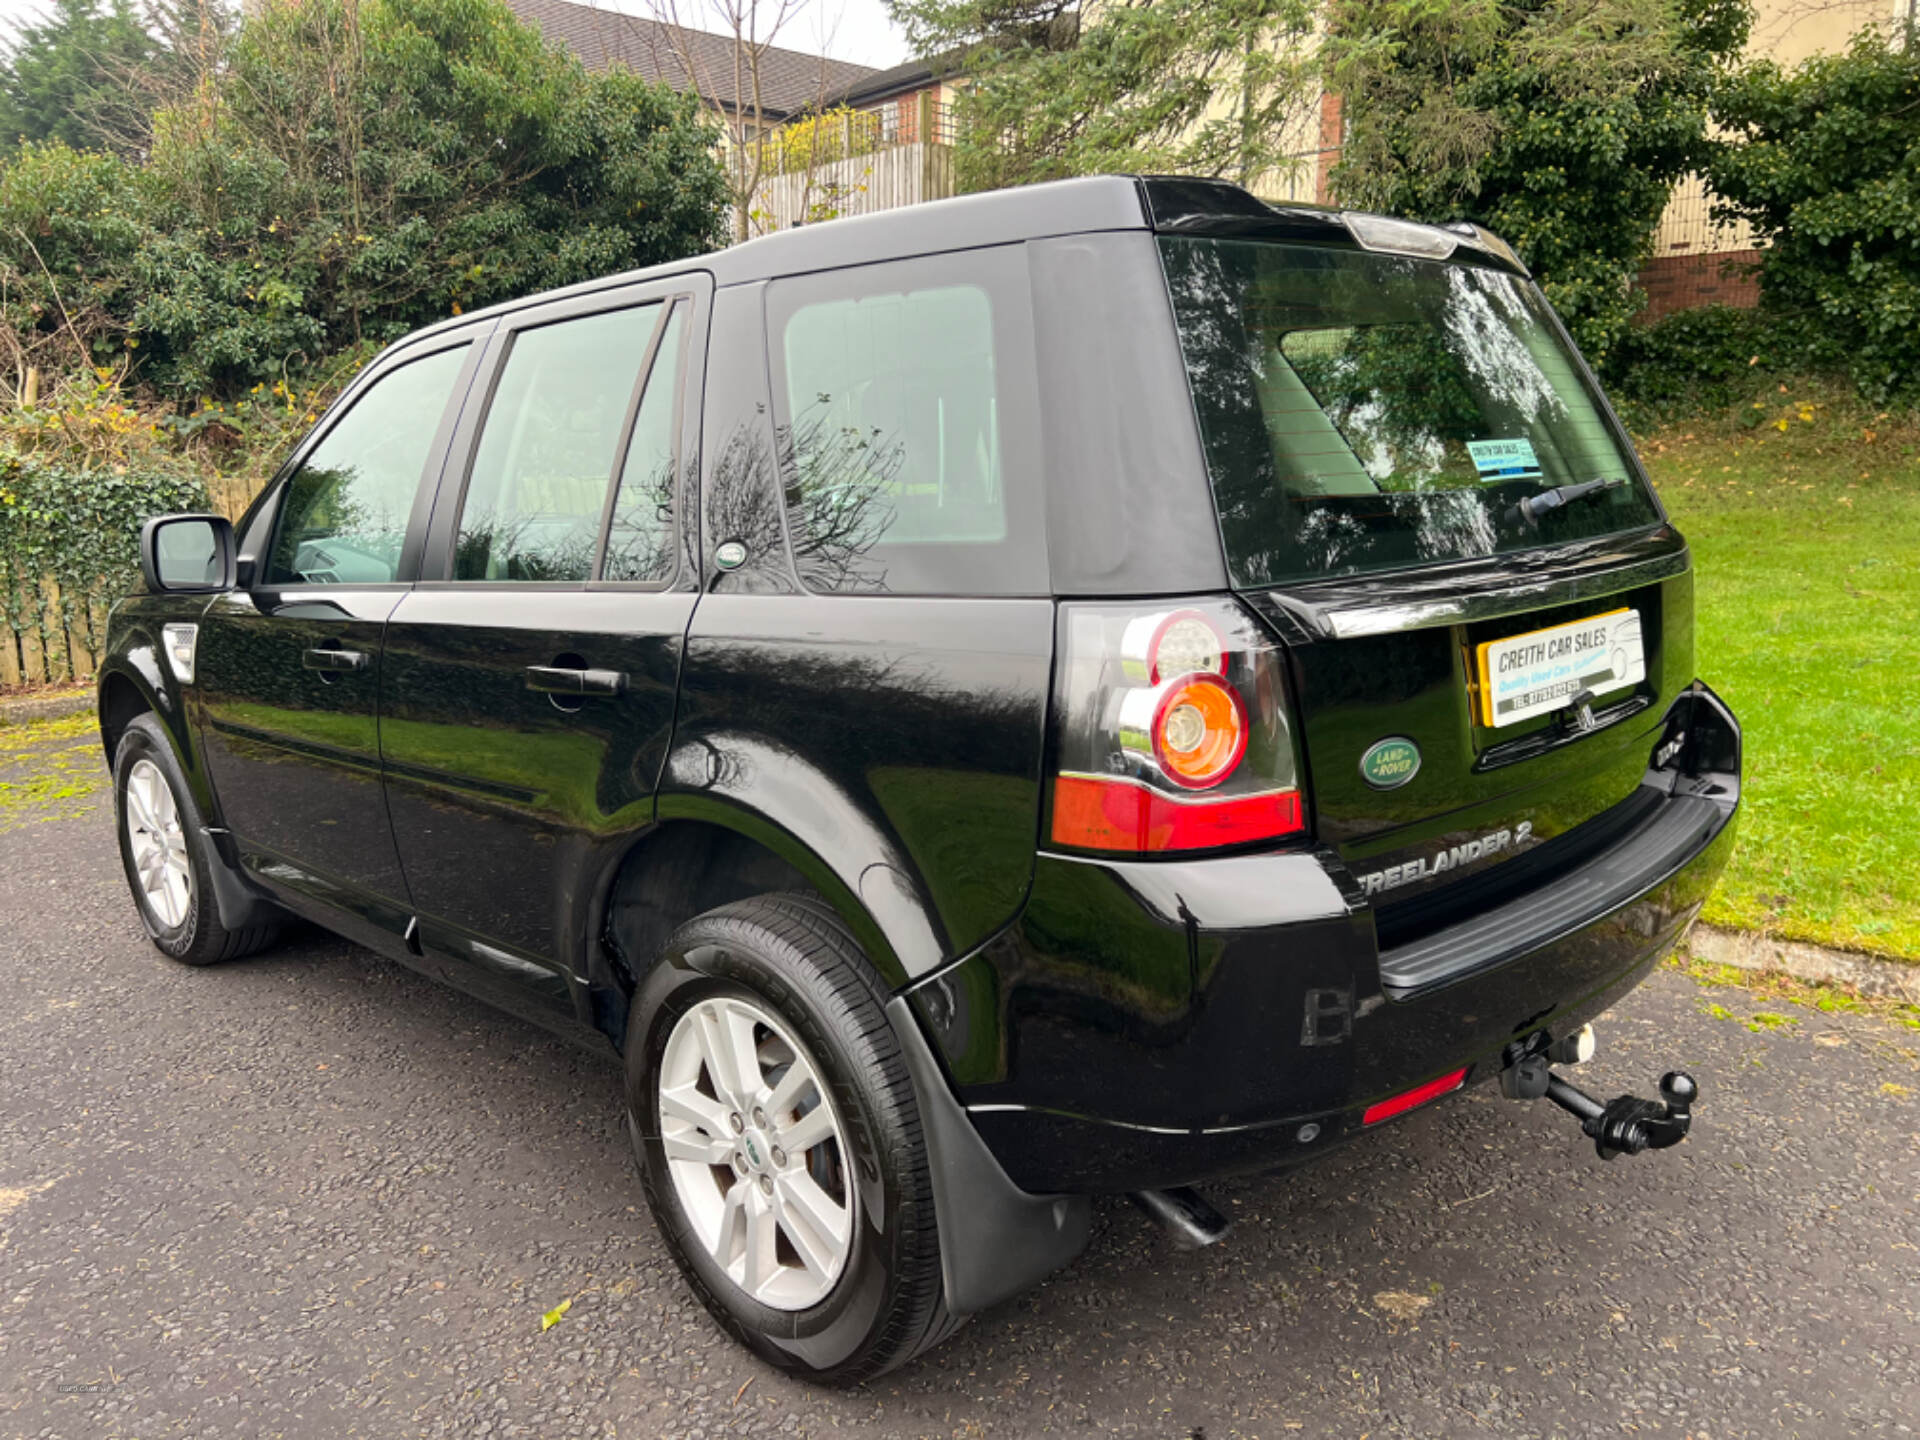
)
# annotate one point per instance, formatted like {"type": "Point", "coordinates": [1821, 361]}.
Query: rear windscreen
{"type": "Point", "coordinates": [1367, 412]}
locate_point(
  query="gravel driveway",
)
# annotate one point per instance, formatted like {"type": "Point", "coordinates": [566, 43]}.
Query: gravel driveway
{"type": "Point", "coordinates": [310, 1194]}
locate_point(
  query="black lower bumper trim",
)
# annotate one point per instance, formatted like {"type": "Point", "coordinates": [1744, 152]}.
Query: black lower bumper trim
{"type": "Point", "coordinates": [1682, 828]}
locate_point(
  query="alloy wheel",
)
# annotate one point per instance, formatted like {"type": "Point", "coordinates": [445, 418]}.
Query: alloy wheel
{"type": "Point", "coordinates": [158, 844]}
{"type": "Point", "coordinates": [756, 1152]}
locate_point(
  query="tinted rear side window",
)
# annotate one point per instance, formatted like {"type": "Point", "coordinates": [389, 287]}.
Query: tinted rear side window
{"type": "Point", "coordinates": [540, 475]}
{"type": "Point", "coordinates": [909, 427]}
{"type": "Point", "coordinates": [641, 534]}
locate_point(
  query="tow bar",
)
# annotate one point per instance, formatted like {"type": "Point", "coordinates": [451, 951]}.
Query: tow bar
{"type": "Point", "coordinates": [1624, 1125]}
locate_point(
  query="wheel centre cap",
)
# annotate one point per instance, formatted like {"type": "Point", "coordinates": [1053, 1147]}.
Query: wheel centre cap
{"type": "Point", "coordinates": [755, 1145]}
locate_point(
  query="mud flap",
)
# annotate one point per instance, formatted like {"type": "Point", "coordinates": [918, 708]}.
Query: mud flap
{"type": "Point", "coordinates": [996, 1240]}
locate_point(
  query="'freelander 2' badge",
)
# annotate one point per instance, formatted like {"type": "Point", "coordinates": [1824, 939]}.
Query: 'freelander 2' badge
{"type": "Point", "coordinates": [1390, 763]}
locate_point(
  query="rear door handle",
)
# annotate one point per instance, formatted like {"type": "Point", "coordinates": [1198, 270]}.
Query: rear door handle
{"type": "Point", "coordinates": [335, 661]}
{"type": "Point", "coordinates": [558, 680]}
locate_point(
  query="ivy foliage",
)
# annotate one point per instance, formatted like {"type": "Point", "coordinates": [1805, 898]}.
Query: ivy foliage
{"type": "Point", "coordinates": [68, 549]}
{"type": "Point", "coordinates": [1709, 357]}
{"type": "Point", "coordinates": [1824, 162]}
{"type": "Point", "coordinates": [1056, 88]}
{"type": "Point", "coordinates": [1561, 125]}
{"type": "Point", "coordinates": [348, 171]}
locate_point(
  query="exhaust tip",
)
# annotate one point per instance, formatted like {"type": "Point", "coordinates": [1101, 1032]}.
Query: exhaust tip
{"type": "Point", "coordinates": [1185, 1215]}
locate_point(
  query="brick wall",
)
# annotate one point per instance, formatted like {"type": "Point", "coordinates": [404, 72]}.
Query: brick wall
{"type": "Point", "coordinates": [1680, 282]}
{"type": "Point", "coordinates": [1333, 135]}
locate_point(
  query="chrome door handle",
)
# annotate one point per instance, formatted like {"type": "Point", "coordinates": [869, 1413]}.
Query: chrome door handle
{"type": "Point", "coordinates": [335, 661]}
{"type": "Point", "coordinates": [558, 680]}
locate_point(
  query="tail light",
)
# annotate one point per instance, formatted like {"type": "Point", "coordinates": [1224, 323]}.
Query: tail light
{"type": "Point", "coordinates": [1173, 731]}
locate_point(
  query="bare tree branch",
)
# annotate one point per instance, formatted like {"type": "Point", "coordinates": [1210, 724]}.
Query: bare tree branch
{"type": "Point", "coordinates": [720, 48]}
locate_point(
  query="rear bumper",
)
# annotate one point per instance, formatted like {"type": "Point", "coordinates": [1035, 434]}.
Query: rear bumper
{"type": "Point", "coordinates": [1151, 1024]}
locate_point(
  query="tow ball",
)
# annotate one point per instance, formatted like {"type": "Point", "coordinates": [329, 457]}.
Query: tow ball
{"type": "Point", "coordinates": [1624, 1125]}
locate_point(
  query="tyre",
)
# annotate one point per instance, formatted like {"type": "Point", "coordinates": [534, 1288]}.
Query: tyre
{"type": "Point", "coordinates": [779, 1141]}
{"type": "Point", "coordinates": [167, 855]}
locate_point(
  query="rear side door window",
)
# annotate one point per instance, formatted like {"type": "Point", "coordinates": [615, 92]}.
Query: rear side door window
{"type": "Point", "coordinates": [908, 426]}
{"type": "Point", "coordinates": [538, 488]}
{"type": "Point", "coordinates": [640, 527]}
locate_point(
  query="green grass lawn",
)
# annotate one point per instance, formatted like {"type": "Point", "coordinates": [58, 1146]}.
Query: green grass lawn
{"type": "Point", "coordinates": [1805, 523]}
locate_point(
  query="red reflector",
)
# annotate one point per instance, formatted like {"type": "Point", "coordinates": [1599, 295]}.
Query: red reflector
{"type": "Point", "coordinates": [1414, 1098]}
{"type": "Point", "coordinates": [1092, 812]}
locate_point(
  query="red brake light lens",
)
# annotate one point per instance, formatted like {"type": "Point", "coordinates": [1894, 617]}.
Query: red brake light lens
{"type": "Point", "coordinates": [1096, 813]}
{"type": "Point", "coordinates": [1173, 731]}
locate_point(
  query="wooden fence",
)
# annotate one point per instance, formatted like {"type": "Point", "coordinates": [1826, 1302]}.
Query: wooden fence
{"type": "Point", "coordinates": [854, 163]}
{"type": "Point", "coordinates": [44, 639]}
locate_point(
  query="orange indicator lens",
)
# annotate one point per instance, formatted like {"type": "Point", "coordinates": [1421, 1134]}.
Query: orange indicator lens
{"type": "Point", "coordinates": [1199, 731]}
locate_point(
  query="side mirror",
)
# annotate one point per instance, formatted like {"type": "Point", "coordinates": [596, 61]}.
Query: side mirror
{"type": "Point", "coordinates": [187, 554]}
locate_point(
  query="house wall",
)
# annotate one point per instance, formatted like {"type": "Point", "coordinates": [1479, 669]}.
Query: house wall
{"type": "Point", "coordinates": [900, 114]}
{"type": "Point", "coordinates": [1786, 32]}
{"type": "Point", "coordinates": [1682, 282]}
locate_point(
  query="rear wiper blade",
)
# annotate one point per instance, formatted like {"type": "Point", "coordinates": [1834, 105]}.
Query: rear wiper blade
{"type": "Point", "coordinates": [1534, 506]}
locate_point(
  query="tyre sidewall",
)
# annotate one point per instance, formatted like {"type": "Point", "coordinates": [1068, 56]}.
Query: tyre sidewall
{"type": "Point", "coordinates": [182, 941]}
{"type": "Point", "coordinates": [760, 968]}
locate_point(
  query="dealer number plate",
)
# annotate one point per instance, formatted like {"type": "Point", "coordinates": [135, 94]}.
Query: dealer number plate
{"type": "Point", "coordinates": [1527, 675]}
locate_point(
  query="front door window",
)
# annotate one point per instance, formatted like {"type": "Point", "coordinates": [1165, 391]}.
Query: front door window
{"type": "Point", "coordinates": [345, 515]}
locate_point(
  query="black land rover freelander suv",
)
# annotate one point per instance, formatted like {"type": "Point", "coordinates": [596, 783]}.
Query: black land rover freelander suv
{"type": "Point", "coordinates": [1084, 689]}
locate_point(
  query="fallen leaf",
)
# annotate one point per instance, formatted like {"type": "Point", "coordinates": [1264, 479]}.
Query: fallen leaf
{"type": "Point", "coordinates": [552, 1317]}
{"type": "Point", "coordinates": [1400, 1305]}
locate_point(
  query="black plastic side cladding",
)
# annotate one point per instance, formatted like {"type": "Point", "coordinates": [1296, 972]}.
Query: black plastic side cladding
{"type": "Point", "coordinates": [996, 1240]}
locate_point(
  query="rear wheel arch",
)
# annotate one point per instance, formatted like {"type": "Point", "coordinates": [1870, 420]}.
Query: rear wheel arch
{"type": "Point", "coordinates": [685, 868]}
{"type": "Point", "coordinates": [788, 957]}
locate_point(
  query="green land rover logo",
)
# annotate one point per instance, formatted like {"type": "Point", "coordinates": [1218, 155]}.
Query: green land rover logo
{"type": "Point", "coordinates": [1390, 763]}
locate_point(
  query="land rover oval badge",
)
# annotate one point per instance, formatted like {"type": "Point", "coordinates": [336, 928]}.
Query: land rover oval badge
{"type": "Point", "coordinates": [1390, 763]}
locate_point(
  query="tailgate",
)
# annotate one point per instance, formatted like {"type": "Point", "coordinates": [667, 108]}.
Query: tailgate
{"type": "Point", "coordinates": [1421, 489]}
{"type": "Point", "coordinates": [1413, 780]}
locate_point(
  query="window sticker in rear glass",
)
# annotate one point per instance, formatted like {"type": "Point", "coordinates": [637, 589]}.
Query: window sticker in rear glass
{"type": "Point", "coordinates": [1504, 459]}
